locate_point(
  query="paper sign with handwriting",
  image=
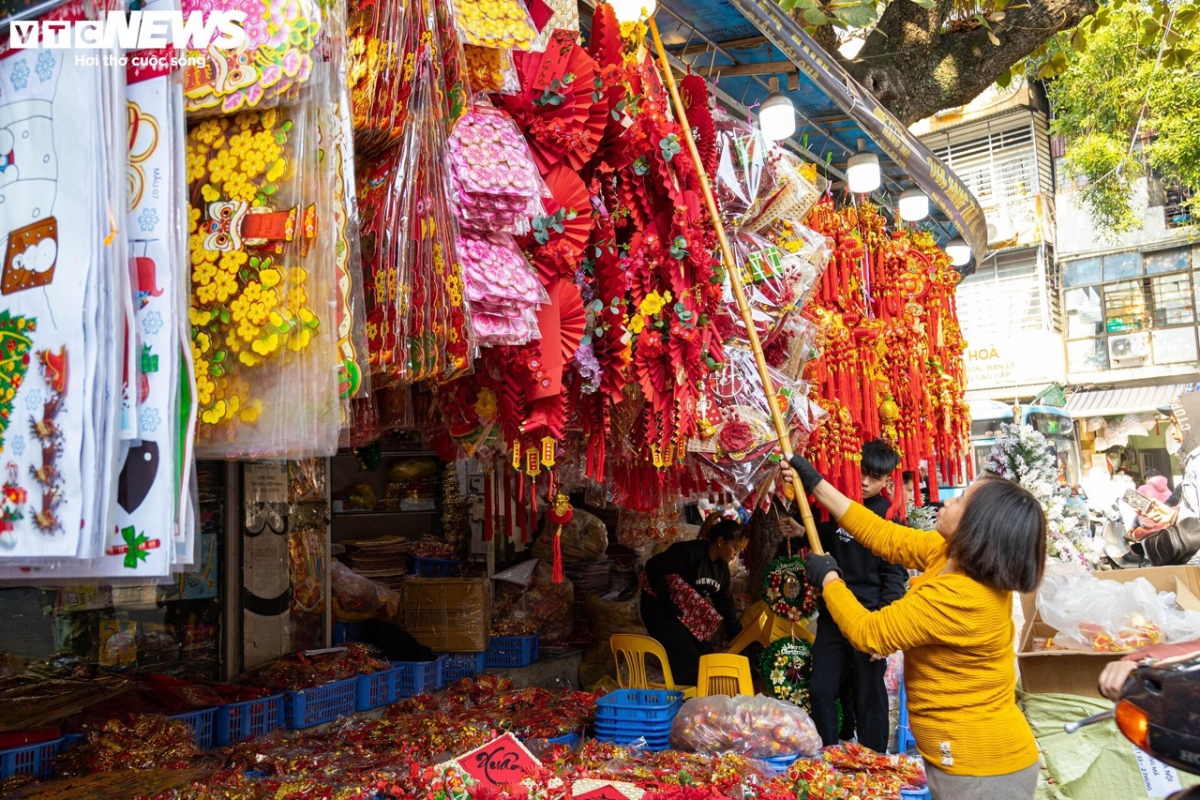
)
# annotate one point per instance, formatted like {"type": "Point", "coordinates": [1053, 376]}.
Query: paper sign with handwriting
{"type": "Point", "coordinates": [500, 762]}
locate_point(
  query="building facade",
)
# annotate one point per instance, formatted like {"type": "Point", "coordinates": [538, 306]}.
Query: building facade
{"type": "Point", "coordinates": [1056, 301]}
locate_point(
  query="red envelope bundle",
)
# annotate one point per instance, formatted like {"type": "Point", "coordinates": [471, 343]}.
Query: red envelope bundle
{"type": "Point", "coordinates": [699, 616]}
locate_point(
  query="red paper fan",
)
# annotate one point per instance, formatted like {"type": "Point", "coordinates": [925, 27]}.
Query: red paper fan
{"type": "Point", "coordinates": [561, 322]}
{"type": "Point", "coordinates": [693, 90]}
{"type": "Point", "coordinates": [605, 45]}
{"type": "Point", "coordinates": [560, 255]}
{"type": "Point", "coordinates": [567, 129]}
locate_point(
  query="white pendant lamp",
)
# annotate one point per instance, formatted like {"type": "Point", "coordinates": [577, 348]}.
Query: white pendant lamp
{"type": "Point", "coordinates": [914, 205]}
{"type": "Point", "coordinates": [777, 115]}
{"type": "Point", "coordinates": [959, 252]}
{"type": "Point", "coordinates": [634, 10]}
{"type": "Point", "coordinates": [862, 171]}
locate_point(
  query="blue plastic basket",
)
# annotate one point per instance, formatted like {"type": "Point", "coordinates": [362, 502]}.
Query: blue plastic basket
{"type": "Point", "coordinates": [30, 759]}
{"type": "Point", "coordinates": [435, 567]}
{"type": "Point", "coordinates": [202, 722]}
{"type": "Point", "coordinates": [915, 794]}
{"type": "Point", "coordinates": [309, 707]}
{"type": "Point", "coordinates": [375, 690]}
{"type": "Point", "coordinates": [651, 730]}
{"type": "Point", "coordinates": [904, 737]}
{"type": "Point", "coordinates": [461, 665]}
{"type": "Point", "coordinates": [237, 722]}
{"type": "Point", "coordinates": [511, 651]}
{"type": "Point", "coordinates": [780, 764]}
{"type": "Point", "coordinates": [638, 705]}
{"type": "Point", "coordinates": [651, 741]}
{"type": "Point", "coordinates": [418, 677]}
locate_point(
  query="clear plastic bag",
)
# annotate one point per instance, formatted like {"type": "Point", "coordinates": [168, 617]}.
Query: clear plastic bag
{"type": "Point", "coordinates": [1094, 614]}
{"type": "Point", "coordinates": [496, 185]}
{"type": "Point", "coordinates": [755, 727]}
{"type": "Point", "coordinates": [741, 167]}
{"type": "Point", "coordinates": [736, 433]}
{"type": "Point", "coordinates": [264, 305]}
{"type": "Point", "coordinates": [791, 193]}
{"type": "Point", "coordinates": [383, 39]}
{"type": "Point", "coordinates": [491, 70]}
{"type": "Point", "coordinates": [776, 284]}
{"type": "Point", "coordinates": [356, 598]}
{"type": "Point", "coordinates": [503, 24]}
{"type": "Point", "coordinates": [270, 69]}
{"type": "Point", "coordinates": [502, 288]}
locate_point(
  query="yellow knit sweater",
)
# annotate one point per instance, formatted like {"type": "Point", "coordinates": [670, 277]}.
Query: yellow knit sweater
{"type": "Point", "coordinates": [957, 638]}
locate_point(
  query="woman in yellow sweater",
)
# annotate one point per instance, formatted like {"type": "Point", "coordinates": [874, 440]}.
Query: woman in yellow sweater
{"type": "Point", "coordinates": [954, 626]}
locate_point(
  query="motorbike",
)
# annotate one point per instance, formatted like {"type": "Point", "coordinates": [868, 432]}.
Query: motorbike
{"type": "Point", "coordinates": [1157, 712]}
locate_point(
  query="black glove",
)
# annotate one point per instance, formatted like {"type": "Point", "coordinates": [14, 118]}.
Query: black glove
{"type": "Point", "coordinates": [818, 567]}
{"type": "Point", "coordinates": [809, 477]}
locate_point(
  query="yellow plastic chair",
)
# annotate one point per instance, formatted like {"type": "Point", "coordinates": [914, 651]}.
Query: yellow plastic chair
{"type": "Point", "coordinates": [631, 649]}
{"type": "Point", "coordinates": [722, 673]}
{"type": "Point", "coordinates": [760, 625]}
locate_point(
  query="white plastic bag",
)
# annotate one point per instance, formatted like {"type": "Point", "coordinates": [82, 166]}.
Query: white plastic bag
{"type": "Point", "coordinates": [1093, 614]}
{"type": "Point", "coordinates": [755, 727]}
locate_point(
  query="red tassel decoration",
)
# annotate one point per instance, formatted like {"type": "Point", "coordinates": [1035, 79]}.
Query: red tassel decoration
{"type": "Point", "coordinates": [559, 513]}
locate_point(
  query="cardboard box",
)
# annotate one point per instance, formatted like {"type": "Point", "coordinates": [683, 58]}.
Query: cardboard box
{"type": "Point", "coordinates": [1078, 672]}
{"type": "Point", "coordinates": [451, 615]}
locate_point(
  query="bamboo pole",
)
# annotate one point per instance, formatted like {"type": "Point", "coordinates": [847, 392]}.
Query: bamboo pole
{"type": "Point", "coordinates": [735, 280]}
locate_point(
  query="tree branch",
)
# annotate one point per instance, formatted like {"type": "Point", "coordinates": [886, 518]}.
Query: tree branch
{"type": "Point", "coordinates": [915, 68]}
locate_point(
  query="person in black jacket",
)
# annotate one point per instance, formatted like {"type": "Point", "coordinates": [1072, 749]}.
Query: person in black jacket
{"type": "Point", "coordinates": [875, 583]}
{"type": "Point", "coordinates": [704, 565]}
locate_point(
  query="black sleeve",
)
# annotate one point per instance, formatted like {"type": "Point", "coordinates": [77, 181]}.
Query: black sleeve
{"type": "Point", "coordinates": [723, 602]}
{"type": "Point", "coordinates": [1173, 500]}
{"type": "Point", "coordinates": [895, 578]}
{"type": "Point", "coordinates": [675, 561]}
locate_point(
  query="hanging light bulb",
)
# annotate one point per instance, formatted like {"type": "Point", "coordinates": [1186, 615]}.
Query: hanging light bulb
{"type": "Point", "coordinates": [959, 251]}
{"type": "Point", "coordinates": [914, 205]}
{"type": "Point", "coordinates": [634, 10]}
{"type": "Point", "coordinates": [777, 115]}
{"type": "Point", "coordinates": [862, 171]}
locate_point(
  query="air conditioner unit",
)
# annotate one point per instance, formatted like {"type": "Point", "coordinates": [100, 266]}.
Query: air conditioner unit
{"type": "Point", "coordinates": [1129, 350]}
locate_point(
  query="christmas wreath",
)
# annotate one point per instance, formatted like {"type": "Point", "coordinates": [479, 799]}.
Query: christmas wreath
{"type": "Point", "coordinates": [787, 668]}
{"type": "Point", "coordinates": [786, 591]}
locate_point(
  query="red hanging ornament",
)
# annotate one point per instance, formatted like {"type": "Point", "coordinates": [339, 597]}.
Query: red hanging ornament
{"type": "Point", "coordinates": [559, 514]}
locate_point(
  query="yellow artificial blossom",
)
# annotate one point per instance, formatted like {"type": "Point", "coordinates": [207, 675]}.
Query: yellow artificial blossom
{"type": "Point", "coordinates": [249, 306]}
{"type": "Point", "coordinates": [486, 405]}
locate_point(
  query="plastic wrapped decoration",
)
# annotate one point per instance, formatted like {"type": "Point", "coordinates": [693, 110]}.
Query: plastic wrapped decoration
{"type": "Point", "coordinates": [263, 296]}
{"type": "Point", "coordinates": [793, 346]}
{"type": "Point", "coordinates": [417, 317]}
{"type": "Point", "coordinates": [269, 69]}
{"type": "Point", "coordinates": [335, 118]}
{"type": "Point", "coordinates": [443, 344]}
{"type": "Point", "coordinates": [503, 289]}
{"type": "Point", "coordinates": [383, 41]}
{"type": "Point", "coordinates": [791, 194]}
{"type": "Point", "coordinates": [496, 184]}
{"type": "Point", "coordinates": [491, 70]}
{"type": "Point", "coordinates": [741, 168]}
{"type": "Point", "coordinates": [756, 727]}
{"type": "Point", "coordinates": [504, 24]}
{"type": "Point", "coordinates": [736, 435]}
{"type": "Point", "coordinates": [776, 284]}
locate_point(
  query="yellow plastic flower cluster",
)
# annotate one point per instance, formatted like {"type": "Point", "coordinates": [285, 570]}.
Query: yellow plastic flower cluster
{"type": "Point", "coordinates": [248, 306]}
